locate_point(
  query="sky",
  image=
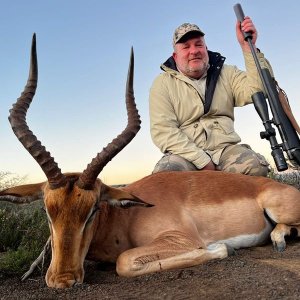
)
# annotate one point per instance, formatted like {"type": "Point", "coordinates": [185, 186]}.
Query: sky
{"type": "Point", "coordinates": [83, 54]}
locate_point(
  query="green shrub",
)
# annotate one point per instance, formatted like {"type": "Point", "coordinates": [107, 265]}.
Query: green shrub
{"type": "Point", "coordinates": [23, 234]}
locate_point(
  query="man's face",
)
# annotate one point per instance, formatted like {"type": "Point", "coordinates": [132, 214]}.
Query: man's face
{"type": "Point", "coordinates": [191, 57]}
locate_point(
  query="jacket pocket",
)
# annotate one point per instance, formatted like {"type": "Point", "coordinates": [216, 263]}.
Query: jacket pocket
{"type": "Point", "coordinates": [225, 126]}
{"type": "Point", "coordinates": [220, 133]}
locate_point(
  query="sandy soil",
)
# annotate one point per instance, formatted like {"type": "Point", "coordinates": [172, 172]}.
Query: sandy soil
{"type": "Point", "coordinates": [257, 273]}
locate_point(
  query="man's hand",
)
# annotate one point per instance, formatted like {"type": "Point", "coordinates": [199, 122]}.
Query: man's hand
{"type": "Point", "coordinates": [246, 26]}
{"type": "Point", "coordinates": [210, 166]}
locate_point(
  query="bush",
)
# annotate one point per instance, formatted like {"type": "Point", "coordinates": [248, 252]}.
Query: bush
{"type": "Point", "coordinates": [8, 179]}
{"type": "Point", "coordinates": [289, 177]}
{"type": "Point", "coordinates": [23, 233]}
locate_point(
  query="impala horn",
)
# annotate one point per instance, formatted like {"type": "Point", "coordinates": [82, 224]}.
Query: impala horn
{"type": "Point", "coordinates": [18, 123]}
{"type": "Point", "coordinates": [88, 177]}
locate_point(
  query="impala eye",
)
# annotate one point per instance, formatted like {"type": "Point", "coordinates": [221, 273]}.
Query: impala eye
{"type": "Point", "coordinates": [91, 217]}
{"type": "Point", "coordinates": [48, 217]}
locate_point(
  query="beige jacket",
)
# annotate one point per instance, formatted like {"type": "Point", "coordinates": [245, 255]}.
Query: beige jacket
{"type": "Point", "coordinates": [177, 120]}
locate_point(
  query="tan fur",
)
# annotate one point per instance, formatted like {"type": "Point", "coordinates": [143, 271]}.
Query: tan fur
{"type": "Point", "coordinates": [194, 215]}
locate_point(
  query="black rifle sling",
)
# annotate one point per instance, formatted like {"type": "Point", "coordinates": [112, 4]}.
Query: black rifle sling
{"type": "Point", "coordinates": [216, 61]}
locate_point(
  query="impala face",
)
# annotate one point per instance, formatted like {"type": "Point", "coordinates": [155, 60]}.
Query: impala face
{"type": "Point", "coordinates": [72, 215]}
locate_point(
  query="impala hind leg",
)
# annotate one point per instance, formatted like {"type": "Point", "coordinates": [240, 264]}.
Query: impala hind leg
{"type": "Point", "coordinates": [278, 234]}
{"type": "Point", "coordinates": [282, 205]}
{"type": "Point", "coordinates": [166, 254]}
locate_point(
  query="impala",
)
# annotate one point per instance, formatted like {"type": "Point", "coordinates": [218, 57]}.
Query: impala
{"type": "Point", "coordinates": [175, 219]}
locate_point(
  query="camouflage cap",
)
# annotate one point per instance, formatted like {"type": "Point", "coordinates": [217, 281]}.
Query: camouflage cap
{"type": "Point", "coordinates": [183, 29]}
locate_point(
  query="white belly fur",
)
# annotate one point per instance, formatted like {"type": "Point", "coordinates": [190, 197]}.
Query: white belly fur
{"type": "Point", "coordinates": [246, 240]}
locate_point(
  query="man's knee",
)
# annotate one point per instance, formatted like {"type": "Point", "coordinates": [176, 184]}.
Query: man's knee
{"type": "Point", "coordinates": [173, 162]}
{"type": "Point", "coordinates": [253, 166]}
{"type": "Point", "coordinates": [242, 159]}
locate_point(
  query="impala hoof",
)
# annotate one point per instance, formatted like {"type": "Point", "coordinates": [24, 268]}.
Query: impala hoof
{"type": "Point", "coordinates": [279, 246]}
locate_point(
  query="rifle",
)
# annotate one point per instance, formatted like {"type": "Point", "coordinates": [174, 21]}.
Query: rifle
{"type": "Point", "coordinates": [289, 137]}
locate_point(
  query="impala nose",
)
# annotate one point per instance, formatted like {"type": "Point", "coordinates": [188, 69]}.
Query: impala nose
{"type": "Point", "coordinates": [62, 281]}
{"type": "Point", "coordinates": [65, 284]}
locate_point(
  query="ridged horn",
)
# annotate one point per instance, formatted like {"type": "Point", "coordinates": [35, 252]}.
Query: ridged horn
{"type": "Point", "coordinates": [18, 123]}
{"type": "Point", "coordinates": [88, 177]}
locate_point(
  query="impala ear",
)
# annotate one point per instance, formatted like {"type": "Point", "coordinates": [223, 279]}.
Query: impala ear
{"type": "Point", "coordinates": [23, 193]}
{"type": "Point", "coordinates": [120, 198]}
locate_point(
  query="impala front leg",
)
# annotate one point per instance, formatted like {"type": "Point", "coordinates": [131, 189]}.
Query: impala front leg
{"type": "Point", "coordinates": [164, 255]}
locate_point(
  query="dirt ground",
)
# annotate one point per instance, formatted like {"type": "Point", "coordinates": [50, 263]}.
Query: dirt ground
{"type": "Point", "coordinates": [256, 273]}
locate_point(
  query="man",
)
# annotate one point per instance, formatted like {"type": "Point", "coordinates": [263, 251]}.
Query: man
{"type": "Point", "coordinates": [192, 105]}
